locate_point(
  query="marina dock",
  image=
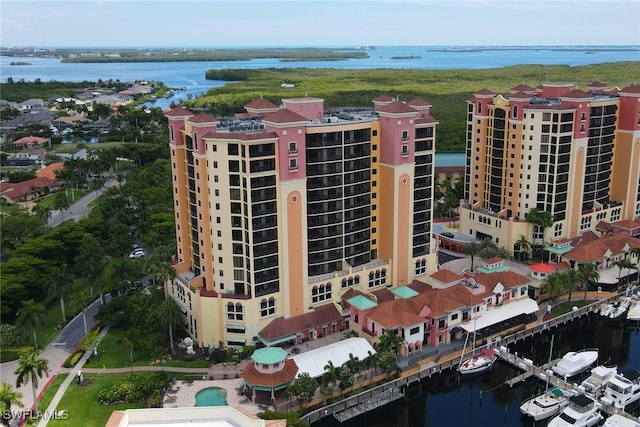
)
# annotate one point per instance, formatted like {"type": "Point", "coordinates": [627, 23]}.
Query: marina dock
{"type": "Point", "coordinates": [544, 372]}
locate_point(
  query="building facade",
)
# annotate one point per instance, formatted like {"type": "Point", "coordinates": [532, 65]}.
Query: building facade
{"type": "Point", "coordinates": [284, 208]}
{"type": "Point", "coordinates": [571, 153]}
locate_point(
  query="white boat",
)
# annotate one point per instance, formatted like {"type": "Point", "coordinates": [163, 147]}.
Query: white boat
{"type": "Point", "coordinates": [582, 411]}
{"type": "Point", "coordinates": [596, 382]}
{"type": "Point", "coordinates": [634, 311]}
{"type": "Point", "coordinates": [617, 420]}
{"type": "Point", "coordinates": [546, 404]}
{"type": "Point", "coordinates": [619, 308]}
{"type": "Point", "coordinates": [623, 389]}
{"type": "Point", "coordinates": [478, 362]}
{"type": "Point", "coordinates": [575, 362]}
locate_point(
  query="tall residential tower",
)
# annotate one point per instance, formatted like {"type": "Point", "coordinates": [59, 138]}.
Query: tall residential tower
{"type": "Point", "coordinates": [282, 209]}
{"type": "Point", "coordinates": [569, 152]}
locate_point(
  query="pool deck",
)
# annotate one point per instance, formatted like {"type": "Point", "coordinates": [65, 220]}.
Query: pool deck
{"type": "Point", "coordinates": [183, 394]}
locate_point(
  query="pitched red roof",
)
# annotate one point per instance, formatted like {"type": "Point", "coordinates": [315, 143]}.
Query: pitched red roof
{"type": "Point", "coordinates": [178, 112]}
{"type": "Point", "coordinates": [15, 190]}
{"type": "Point", "coordinates": [627, 224]}
{"type": "Point", "coordinates": [419, 102]}
{"type": "Point", "coordinates": [542, 268]}
{"type": "Point", "coordinates": [484, 92]}
{"type": "Point", "coordinates": [576, 94]}
{"type": "Point", "coordinates": [281, 327]}
{"type": "Point", "coordinates": [50, 171]}
{"type": "Point", "coordinates": [31, 140]}
{"type": "Point", "coordinates": [255, 378]}
{"type": "Point", "coordinates": [446, 276]}
{"type": "Point", "coordinates": [284, 115]}
{"type": "Point", "coordinates": [260, 104]}
{"type": "Point", "coordinates": [204, 118]}
{"type": "Point", "coordinates": [383, 98]}
{"type": "Point", "coordinates": [592, 251]}
{"type": "Point", "coordinates": [522, 88]}
{"type": "Point", "coordinates": [397, 107]}
{"type": "Point", "coordinates": [631, 89]}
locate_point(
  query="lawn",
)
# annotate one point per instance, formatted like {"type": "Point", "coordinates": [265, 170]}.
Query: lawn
{"type": "Point", "coordinates": [566, 307]}
{"type": "Point", "coordinates": [81, 403]}
{"type": "Point", "coordinates": [114, 355]}
{"type": "Point", "coordinates": [75, 194]}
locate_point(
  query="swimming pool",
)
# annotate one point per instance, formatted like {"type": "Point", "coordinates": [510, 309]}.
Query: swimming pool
{"type": "Point", "coordinates": [211, 396]}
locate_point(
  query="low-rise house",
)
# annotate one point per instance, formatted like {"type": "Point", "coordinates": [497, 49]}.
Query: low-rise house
{"type": "Point", "coordinates": [27, 190]}
{"type": "Point", "coordinates": [27, 157]}
{"type": "Point", "coordinates": [31, 142]}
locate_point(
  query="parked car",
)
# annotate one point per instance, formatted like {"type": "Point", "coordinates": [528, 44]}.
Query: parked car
{"type": "Point", "coordinates": [447, 234]}
{"type": "Point", "coordinates": [137, 253]}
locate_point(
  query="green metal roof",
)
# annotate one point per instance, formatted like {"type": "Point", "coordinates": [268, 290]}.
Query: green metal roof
{"type": "Point", "coordinates": [404, 292]}
{"type": "Point", "coordinates": [560, 251]}
{"type": "Point", "coordinates": [361, 302]}
{"type": "Point", "coordinates": [269, 355]}
{"type": "Point", "coordinates": [492, 270]}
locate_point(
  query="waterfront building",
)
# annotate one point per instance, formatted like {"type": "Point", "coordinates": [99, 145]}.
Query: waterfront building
{"type": "Point", "coordinates": [570, 152]}
{"type": "Point", "coordinates": [437, 310]}
{"type": "Point", "coordinates": [281, 210]}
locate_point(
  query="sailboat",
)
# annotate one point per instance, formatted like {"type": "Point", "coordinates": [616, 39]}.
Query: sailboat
{"type": "Point", "coordinates": [548, 403]}
{"type": "Point", "coordinates": [477, 363]}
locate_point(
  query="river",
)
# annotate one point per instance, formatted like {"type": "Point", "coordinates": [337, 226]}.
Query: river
{"type": "Point", "coordinates": [446, 401]}
{"type": "Point", "coordinates": [191, 75]}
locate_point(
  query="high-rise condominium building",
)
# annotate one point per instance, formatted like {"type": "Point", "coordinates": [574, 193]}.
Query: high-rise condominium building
{"type": "Point", "coordinates": [282, 209]}
{"type": "Point", "coordinates": [569, 152]}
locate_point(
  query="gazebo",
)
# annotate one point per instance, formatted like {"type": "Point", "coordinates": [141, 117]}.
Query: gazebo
{"type": "Point", "coordinates": [541, 270]}
{"type": "Point", "coordinates": [269, 371]}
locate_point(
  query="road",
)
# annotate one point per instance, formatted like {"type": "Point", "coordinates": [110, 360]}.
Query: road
{"type": "Point", "coordinates": [56, 353]}
{"type": "Point", "coordinates": [80, 208]}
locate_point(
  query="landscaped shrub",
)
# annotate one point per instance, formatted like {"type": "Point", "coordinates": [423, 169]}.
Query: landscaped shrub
{"type": "Point", "coordinates": [11, 335]}
{"type": "Point", "coordinates": [133, 388]}
{"type": "Point", "coordinates": [71, 362]}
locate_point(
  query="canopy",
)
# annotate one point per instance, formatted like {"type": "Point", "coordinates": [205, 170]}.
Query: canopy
{"type": "Point", "coordinates": [504, 312]}
{"type": "Point", "coordinates": [314, 361]}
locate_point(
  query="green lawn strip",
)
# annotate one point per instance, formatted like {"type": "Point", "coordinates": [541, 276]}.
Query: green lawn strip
{"type": "Point", "coordinates": [566, 307]}
{"type": "Point", "coordinates": [82, 406]}
{"type": "Point", "coordinates": [113, 355]}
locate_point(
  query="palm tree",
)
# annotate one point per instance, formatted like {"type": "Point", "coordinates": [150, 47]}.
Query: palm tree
{"type": "Point", "coordinates": [81, 302]}
{"type": "Point", "coordinates": [623, 263]}
{"type": "Point", "coordinates": [128, 340]}
{"type": "Point", "coordinates": [30, 368]}
{"type": "Point", "coordinates": [571, 279]}
{"type": "Point", "coordinates": [554, 284]}
{"type": "Point", "coordinates": [160, 357]}
{"type": "Point", "coordinates": [373, 362]}
{"type": "Point", "coordinates": [60, 203]}
{"type": "Point", "coordinates": [90, 260]}
{"type": "Point", "coordinates": [42, 211]}
{"type": "Point", "coordinates": [588, 274]}
{"type": "Point", "coordinates": [30, 316]}
{"type": "Point", "coordinates": [61, 283]}
{"type": "Point", "coordinates": [389, 341]}
{"type": "Point", "coordinates": [472, 249]}
{"type": "Point", "coordinates": [9, 397]}
{"type": "Point", "coordinates": [540, 220]}
{"type": "Point", "coordinates": [170, 315]}
{"type": "Point", "coordinates": [525, 247]}
{"type": "Point", "coordinates": [331, 372]}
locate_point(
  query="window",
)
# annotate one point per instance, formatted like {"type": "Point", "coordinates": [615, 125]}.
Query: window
{"type": "Point", "coordinates": [267, 307]}
{"type": "Point", "coordinates": [293, 147]}
{"type": "Point", "coordinates": [414, 331]}
{"type": "Point", "coordinates": [421, 266]}
{"type": "Point", "coordinates": [321, 293]}
{"type": "Point", "coordinates": [235, 312]}
{"type": "Point", "coordinates": [293, 164]}
{"type": "Point", "coordinates": [377, 278]}
{"type": "Point", "coordinates": [405, 150]}
{"type": "Point", "coordinates": [405, 135]}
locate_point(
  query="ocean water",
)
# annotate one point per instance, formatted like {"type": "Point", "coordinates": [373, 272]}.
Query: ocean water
{"type": "Point", "coordinates": [191, 75]}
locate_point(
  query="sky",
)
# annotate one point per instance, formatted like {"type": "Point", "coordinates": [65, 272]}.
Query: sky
{"type": "Point", "coordinates": [214, 23]}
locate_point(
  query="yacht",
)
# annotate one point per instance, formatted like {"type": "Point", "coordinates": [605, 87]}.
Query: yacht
{"type": "Point", "coordinates": [617, 420]}
{"type": "Point", "coordinates": [634, 311]}
{"type": "Point", "coordinates": [582, 411]}
{"type": "Point", "coordinates": [575, 362]}
{"type": "Point", "coordinates": [616, 309]}
{"type": "Point", "coordinates": [479, 362]}
{"type": "Point", "coordinates": [546, 404]}
{"type": "Point", "coordinates": [596, 382]}
{"type": "Point", "coordinates": [623, 389]}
